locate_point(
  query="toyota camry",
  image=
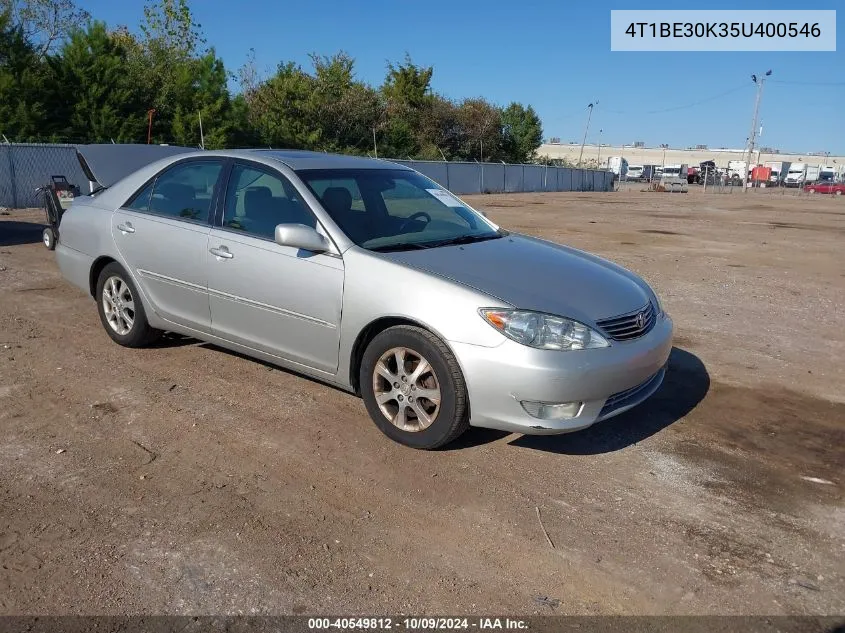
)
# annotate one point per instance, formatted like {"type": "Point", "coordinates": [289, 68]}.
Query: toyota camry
{"type": "Point", "coordinates": [367, 275]}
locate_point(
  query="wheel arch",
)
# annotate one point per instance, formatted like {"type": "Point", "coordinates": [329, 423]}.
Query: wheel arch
{"type": "Point", "coordinates": [96, 269]}
{"type": "Point", "coordinates": [373, 329]}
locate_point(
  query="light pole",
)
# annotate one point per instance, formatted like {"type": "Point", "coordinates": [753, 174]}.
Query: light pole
{"type": "Point", "coordinates": [598, 166]}
{"type": "Point", "coordinates": [586, 129]}
{"type": "Point", "coordinates": [759, 81]}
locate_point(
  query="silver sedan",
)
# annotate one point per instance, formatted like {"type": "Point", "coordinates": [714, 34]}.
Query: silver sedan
{"type": "Point", "coordinates": [367, 275]}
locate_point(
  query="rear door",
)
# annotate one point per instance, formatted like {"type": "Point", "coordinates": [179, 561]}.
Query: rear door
{"type": "Point", "coordinates": [162, 235]}
{"type": "Point", "coordinates": [273, 298]}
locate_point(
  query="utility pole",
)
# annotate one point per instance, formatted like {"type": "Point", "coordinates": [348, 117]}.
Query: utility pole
{"type": "Point", "coordinates": [759, 81]}
{"type": "Point", "coordinates": [375, 145]}
{"type": "Point", "coordinates": [202, 138]}
{"type": "Point", "coordinates": [586, 129]}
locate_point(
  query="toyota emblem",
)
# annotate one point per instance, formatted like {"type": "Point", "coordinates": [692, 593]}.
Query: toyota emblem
{"type": "Point", "coordinates": [640, 320]}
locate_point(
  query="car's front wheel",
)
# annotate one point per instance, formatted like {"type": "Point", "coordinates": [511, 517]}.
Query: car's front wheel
{"type": "Point", "coordinates": [413, 388]}
{"type": "Point", "coordinates": [121, 310]}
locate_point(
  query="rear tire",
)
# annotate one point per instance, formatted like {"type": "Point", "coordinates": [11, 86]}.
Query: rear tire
{"type": "Point", "coordinates": [121, 310]}
{"type": "Point", "coordinates": [397, 394]}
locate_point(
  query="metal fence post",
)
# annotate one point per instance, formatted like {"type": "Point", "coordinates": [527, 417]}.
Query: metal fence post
{"type": "Point", "coordinates": [12, 177]}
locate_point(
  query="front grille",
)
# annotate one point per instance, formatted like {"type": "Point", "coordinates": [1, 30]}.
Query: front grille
{"type": "Point", "coordinates": [633, 395]}
{"type": "Point", "coordinates": [629, 326]}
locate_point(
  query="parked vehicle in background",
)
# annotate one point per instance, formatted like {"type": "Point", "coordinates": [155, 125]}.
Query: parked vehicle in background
{"type": "Point", "coordinates": [737, 171]}
{"type": "Point", "coordinates": [827, 172]}
{"type": "Point", "coordinates": [705, 169]}
{"type": "Point", "coordinates": [779, 171]}
{"type": "Point", "coordinates": [651, 172]}
{"type": "Point", "coordinates": [693, 176]}
{"type": "Point", "coordinates": [366, 275]}
{"type": "Point", "coordinates": [674, 178]}
{"type": "Point", "coordinates": [813, 174]}
{"type": "Point", "coordinates": [618, 166]}
{"type": "Point", "coordinates": [676, 171]}
{"type": "Point", "coordinates": [826, 186]}
{"type": "Point", "coordinates": [635, 172]}
{"type": "Point", "coordinates": [795, 175]}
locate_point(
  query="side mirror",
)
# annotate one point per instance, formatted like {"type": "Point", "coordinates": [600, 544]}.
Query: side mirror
{"type": "Point", "coordinates": [301, 236]}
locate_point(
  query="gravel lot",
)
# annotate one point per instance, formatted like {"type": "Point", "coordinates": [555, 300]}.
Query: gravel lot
{"type": "Point", "coordinates": [186, 479]}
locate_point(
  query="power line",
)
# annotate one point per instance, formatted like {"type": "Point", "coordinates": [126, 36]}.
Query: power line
{"type": "Point", "coordinates": [682, 107]}
{"type": "Point", "coordinates": [810, 83]}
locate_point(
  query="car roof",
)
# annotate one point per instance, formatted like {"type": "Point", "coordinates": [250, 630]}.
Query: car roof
{"type": "Point", "coordinates": [298, 159]}
{"type": "Point", "coordinates": [106, 163]}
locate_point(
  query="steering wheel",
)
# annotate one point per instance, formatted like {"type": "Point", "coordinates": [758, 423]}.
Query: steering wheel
{"type": "Point", "coordinates": [418, 214]}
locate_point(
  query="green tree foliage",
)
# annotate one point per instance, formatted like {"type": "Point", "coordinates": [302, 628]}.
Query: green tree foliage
{"type": "Point", "coordinates": [91, 83]}
{"type": "Point", "coordinates": [23, 84]}
{"type": "Point", "coordinates": [523, 132]}
{"type": "Point", "coordinates": [97, 103]}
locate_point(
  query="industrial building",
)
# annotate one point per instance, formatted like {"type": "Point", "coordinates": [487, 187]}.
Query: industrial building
{"type": "Point", "coordinates": [639, 154]}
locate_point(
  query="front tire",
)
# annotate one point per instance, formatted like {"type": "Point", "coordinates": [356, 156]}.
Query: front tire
{"type": "Point", "coordinates": [413, 388]}
{"type": "Point", "coordinates": [121, 310]}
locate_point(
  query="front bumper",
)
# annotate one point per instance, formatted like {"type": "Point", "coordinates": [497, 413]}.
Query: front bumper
{"type": "Point", "coordinates": [609, 381]}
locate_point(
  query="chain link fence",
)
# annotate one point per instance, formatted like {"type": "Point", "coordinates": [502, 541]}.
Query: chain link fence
{"type": "Point", "coordinates": [26, 166]}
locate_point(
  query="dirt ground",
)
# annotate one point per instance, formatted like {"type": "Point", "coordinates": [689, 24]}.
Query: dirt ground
{"type": "Point", "coordinates": [186, 479]}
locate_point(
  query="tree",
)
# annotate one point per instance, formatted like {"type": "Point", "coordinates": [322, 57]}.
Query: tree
{"type": "Point", "coordinates": [23, 81]}
{"type": "Point", "coordinates": [97, 101]}
{"type": "Point", "coordinates": [481, 130]}
{"type": "Point", "coordinates": [523, 132]}
{"type": "Point", "coordinates": [407, 83]}
{"type": "Point", "coordinates": [209, 98]}
{"type": "Point", "coordinates": [44, 23]}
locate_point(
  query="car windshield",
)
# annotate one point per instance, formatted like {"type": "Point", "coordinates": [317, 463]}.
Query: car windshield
{"type": "Point", "coordinates": [395, 209]}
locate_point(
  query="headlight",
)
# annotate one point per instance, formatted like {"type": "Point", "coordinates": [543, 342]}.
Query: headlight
{"type": "Point", "coordinates": [543, 331]}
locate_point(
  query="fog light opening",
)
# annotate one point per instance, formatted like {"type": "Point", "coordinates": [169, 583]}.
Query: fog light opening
{"type": "Point", "coordinates": [552, 410]}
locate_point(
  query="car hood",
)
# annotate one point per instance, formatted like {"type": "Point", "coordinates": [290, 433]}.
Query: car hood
{"type": "Point", "coordinates": [533, 274]}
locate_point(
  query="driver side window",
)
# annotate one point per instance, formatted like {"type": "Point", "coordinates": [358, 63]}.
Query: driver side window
{"type": "Point", "coordinates": [258, 200]}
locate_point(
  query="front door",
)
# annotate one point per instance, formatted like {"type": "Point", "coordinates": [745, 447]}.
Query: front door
{"type": "Point", "coordinates": [162, 235]}
{"type": "Point", "coordinates": [269, 297]}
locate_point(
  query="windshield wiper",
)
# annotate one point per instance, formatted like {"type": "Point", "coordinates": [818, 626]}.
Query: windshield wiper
{"type": "Point", "coordinates": [408, 246]}
{"type": "Point", "coordinates": [464, 239]}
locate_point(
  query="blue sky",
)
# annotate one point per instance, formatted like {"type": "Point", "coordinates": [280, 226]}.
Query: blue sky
{"type": "Point", "coordinates": [552, 54]}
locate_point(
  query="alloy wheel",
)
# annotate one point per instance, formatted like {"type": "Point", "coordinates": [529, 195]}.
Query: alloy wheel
{"type": "Point", "coordinates": [118, 305]}
{"type": "Point", "coordinates": [406, 389]}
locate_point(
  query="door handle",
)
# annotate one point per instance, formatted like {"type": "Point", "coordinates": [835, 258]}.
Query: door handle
{"type": "Point", "coordinates": [221, 251]}
{"type": "Point", "coordinates": [126, 228]}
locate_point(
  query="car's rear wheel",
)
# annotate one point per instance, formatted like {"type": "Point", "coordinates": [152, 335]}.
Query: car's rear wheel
{"type": "Point", "coordinates": [121, 310]}
{"type": "Point", "coordinates": [413, 388]}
